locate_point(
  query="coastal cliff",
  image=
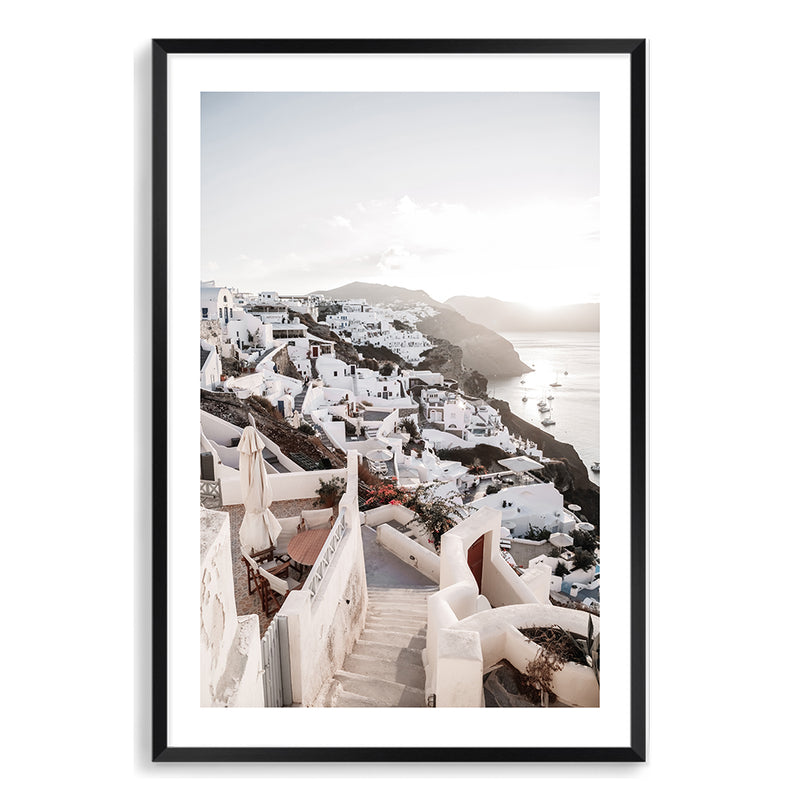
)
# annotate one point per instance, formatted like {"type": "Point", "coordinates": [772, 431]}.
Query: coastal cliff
{"type": "Point", "coordinates": [482, 350]}
{"type": "Point", "coordinates": [565, 469]}
{"type": "Point", "coordinates": [448, 359]}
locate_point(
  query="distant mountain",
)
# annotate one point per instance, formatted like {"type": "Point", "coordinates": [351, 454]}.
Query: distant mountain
{"type": "Point", "coordinates": [378, 293]}
{"type": "Point", "coordinates": [502, 316]}
{"type": "Point", "coordinates": [483, 350]}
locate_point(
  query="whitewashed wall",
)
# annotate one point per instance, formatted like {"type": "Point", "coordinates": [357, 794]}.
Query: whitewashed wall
{"type": "Point", "coordinates": [230, 652]}
{"type": "Point", "coordinates": [323, 629]}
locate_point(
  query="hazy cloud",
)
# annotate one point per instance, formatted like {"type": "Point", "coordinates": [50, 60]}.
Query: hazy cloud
{"type": "Point", "coordinates": [463, 193]}
{"type": "Point", "coordinates": [341, 222]}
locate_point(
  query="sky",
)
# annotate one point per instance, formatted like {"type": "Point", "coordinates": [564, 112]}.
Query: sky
{"type": "Point", "coordinates": [483, 194]}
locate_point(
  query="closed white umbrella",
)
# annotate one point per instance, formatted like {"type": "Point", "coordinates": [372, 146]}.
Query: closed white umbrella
{"type": "Point", "coordinates": [260, 529]}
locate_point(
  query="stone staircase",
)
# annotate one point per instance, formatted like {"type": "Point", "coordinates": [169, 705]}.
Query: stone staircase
{"type": "Point", "coordinates": [299, 398]}
{"type": "Point", "coordinates": [385, 667]}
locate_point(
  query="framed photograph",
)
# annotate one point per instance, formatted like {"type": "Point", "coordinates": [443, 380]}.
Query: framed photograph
{"type": "Point", "coordinates": [418, 271]}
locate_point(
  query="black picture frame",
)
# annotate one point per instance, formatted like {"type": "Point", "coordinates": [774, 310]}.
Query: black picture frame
{"type": "Point", "coordinates": [636, 749]}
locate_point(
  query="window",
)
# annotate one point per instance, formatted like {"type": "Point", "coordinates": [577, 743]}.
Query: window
{"type": "Point", "coordinates": [205, 313]}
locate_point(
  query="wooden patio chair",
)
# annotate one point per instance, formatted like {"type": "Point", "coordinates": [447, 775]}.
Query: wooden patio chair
{"type": "Point", "coordinates": [277, 583]}
{"type": "Point", "coordinates": [253, 561]}
{"type": "Point", "coordinates": [316, 519]}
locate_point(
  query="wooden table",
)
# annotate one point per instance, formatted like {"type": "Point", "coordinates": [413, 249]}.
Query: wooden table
{"type": "Point", "coordinates": [307, 545]}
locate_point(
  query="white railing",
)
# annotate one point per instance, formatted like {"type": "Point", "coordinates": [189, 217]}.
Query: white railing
{"type": "Point", "coordinates": [326, 556]}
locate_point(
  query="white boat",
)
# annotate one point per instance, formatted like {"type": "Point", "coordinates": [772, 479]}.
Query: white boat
{"type": "Point", "coordinates": [595, 467]}
{"type": "Point", "coordinates": [548, 421]}
{"type": "Point", "coordinates": [549, 397]}
{"type": "Point", "coordinates": [556, 383]}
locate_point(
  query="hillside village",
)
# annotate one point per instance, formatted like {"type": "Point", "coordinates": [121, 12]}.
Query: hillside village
{"type": "Point", "coordinates": [403, 521]}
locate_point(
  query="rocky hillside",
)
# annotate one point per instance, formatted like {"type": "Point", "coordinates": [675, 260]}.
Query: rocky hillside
{"type": "Point", "coordinates": [567, 471]}
{"type": "Point", "coordinates": [342, 349]}
{"type": "Point", "coordinates": [378, 293]}
{"type": "Point", "coordinates": [270, 423]}
{"type": "Point", "coordinates": [448, 359]}
{"type": "Point", "coordinates": [483, 350]}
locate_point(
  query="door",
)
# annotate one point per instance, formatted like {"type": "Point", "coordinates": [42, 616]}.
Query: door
{"type": "Point", "coordinates": [475, 561]}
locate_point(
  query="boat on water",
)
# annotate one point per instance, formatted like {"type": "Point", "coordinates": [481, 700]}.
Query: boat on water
{"type": "Point", "coordinates": [548, 421]}
{"type": "Point", "coordinates": [550, 397]}
{"type": "Point", "coordinates": [524, 399]}
{"type": "Point", "coordinates": [595, 467]}
{"type": "Point", "coordinates": [555, 383]}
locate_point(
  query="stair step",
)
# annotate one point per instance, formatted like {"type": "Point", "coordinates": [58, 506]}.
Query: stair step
{"type": "Point", "coordinates": [351, 700]}
{"type": "Point", "coordinates": [398, 610]}
{"type": "Point", "coordinates": [383, 692]}
{"type": "Point", "coordinates": [399, 614]}
{"type": "Point", "coordinates": [390, 626]}
{"type": "Point", "coordinates": [388, 652]}
{"type": "Point", "coordinates": [403, 620]}
{"type": "Point", "coordinates": [395, 671]}
{"type": "Point", "coordinates": [400, 604]}
{"type": "Point", "coordinates": [395, 639]}
{"type": "Point", "coordinates": [395, 627]}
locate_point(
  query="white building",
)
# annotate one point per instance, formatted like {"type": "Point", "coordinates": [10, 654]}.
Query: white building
{"type": "Point", "coordinates": [302, 304]}
{"type": "Point", "coordinates": [216, 302]}
{"type": "Point", "coordinates": [364, 324]}
{"type": "Point", "coordinates": [538, 504]}
{"type": "Point", "coordinates": [247, 330]}
{"type": "Point", "coordinates": [446, 411]}
{"type": "Point", "coordinates": [303, 347]}
{"type": "Point", "coordinates": [210, 366]}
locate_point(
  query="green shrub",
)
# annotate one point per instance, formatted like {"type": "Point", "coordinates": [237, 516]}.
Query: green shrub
{"type": "Point", "coordinates": [536, 534]}
{"type": "Point", "coordinates": [584, 559]}
{"type": "Point", "coordinates": [585, 540]}
{"type": "Point", "coordinates": [330, 492]}
{"type": "Point", "coordinates": [410, 427]}
{"type": "Point", "coordinates": [438, 514]}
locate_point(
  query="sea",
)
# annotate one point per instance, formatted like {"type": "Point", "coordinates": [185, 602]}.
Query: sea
{"type": "Point", "coordinates": [572, 359]}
